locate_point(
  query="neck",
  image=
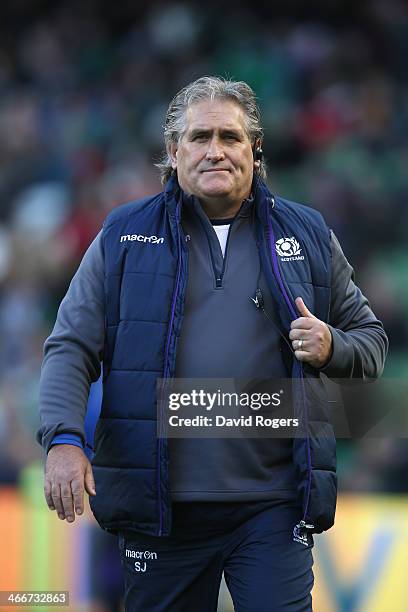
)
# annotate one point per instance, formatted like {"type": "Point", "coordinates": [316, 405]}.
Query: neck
{"type": "Point", "coordinates": [220, 209]}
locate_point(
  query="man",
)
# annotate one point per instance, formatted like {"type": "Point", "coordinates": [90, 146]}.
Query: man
{"type": "Point", "coordinates": [173, 286]}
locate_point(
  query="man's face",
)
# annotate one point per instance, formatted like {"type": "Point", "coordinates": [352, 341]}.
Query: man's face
{"type": "Point", "coordinates": [213, 158]}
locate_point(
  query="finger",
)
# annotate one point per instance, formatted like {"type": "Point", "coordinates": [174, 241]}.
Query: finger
{"type": "Point", "coordinates": [298, 334]}
{"type": "Point", "coordinates": [89, 481]}
{"type": "Point", "coordinates": [302, 355]}
{"type": "Point", "coordinates": [302, 308]}
{"type": "Point", "coordinates": [67, 502]}
{"type": "Point", "coordinates": [47, 494]}
{"type": "Point", "coordinates": [299, 345]}
{"type": "Point", "coordinates": [56, 498]}
{"type": "Point", "coordinates": [78, 493]}
{"type": "Point", "coordinates": [303, 323]}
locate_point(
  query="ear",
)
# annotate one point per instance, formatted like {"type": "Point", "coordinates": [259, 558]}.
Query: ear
{"type": "Point", "coordinates": [173, 155]}
{"type": "Point", "coordinates": [257, 145]}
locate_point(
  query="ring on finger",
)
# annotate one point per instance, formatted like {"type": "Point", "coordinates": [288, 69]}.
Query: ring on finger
{"type": "Point", "coordinates": [300, 344]}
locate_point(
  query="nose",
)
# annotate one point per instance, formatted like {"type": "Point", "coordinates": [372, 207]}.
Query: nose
{"type": "Point", "coordinates": [215, 151]}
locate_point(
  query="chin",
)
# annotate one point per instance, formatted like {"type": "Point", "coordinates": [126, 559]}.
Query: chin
{"type": "Point", "coordinates": [217, 190]}
{"type": "Point", "coordinates": [215, 193]}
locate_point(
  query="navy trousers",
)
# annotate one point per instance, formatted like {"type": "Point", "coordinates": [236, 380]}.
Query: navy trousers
{"type": "Point", "coordinates": [251, 542]}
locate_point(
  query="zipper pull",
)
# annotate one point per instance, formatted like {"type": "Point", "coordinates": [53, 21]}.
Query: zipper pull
{"type": "Point", "coordinates": [187, 238]}
{"type": "Point", "coordinates": [258, 299]}
{"type": "Point", "coordinates": [305, 525]}
{"type": "Point", "coordinates": [300, 533]}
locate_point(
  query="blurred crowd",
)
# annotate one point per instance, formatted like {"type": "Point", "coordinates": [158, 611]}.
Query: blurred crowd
{"type": "Point", "coordinates": [83, 92]}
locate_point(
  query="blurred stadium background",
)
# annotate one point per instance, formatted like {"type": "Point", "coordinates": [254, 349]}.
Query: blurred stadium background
{"type": "Point", "coordinates": [83, 91]}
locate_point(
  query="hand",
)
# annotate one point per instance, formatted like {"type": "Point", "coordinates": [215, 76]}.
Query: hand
{"type": "Point", "coordinates": [67, 470]}
{"type": "Point", "coordinates": [316, 340]}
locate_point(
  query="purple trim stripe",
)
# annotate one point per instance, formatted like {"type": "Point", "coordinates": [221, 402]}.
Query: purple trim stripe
{"type": "Point", "coordinates": [309, 456]}
{"type": "Point", "coordinates": [276, 268]}
{"type": "Point", "coordinates": [292, 311]}
{"type": "Point", "coordinates": [173, 305]}
{"type": "Point", "coordinates": [166, 361]}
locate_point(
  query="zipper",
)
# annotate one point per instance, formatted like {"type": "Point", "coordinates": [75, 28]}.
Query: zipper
{"type": "Point", "coordinates": [166, 368]}
{"type": "Point", "coordinates": [290, 305]}
{"type": "Point", "coordinates": [258, 300]}
{"type": "Point", "coordinates": [218, 276]}
{"type": "Point", "coordinates": [219, 279]}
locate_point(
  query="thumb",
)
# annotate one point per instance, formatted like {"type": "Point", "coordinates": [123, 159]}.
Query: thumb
{"type": "Point", "coordinates": [303, 310]}
{"type": "Point", "coordinates": [89, 481]}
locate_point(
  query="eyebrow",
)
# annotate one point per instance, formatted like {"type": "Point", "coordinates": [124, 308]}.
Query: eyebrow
{"type": "Point", "coordinates": [205, 131]}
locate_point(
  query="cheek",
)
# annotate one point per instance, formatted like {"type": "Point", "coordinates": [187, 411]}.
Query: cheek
{"type": "Point", "coordinates": [188, 162]}
{"type": "Point", "coordinates": [247, 168]}
{"type": "Point", "coordinates": [246, 162]}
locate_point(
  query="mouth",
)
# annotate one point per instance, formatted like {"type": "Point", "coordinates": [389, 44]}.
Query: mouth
{"type": "Point", "coordinates": [216, 170]}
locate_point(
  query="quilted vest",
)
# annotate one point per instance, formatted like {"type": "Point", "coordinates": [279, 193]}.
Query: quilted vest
{"type": "Point", "coordinates": [146, 264]}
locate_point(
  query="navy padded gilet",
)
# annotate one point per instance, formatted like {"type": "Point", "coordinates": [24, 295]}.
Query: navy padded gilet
{"type": "Point", "coordinates": [145, 282]}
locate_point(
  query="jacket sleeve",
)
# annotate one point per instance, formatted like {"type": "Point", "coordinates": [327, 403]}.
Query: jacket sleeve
{"type": "Point", "coordinates": [73, 351]}
{"type": "Point", "coordinates": [360, 343]}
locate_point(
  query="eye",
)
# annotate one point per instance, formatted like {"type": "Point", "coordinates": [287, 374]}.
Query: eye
{"type": "Point", "coordinates": [199, 137]}
{"type": "Point", "coordinates": [231, 137]}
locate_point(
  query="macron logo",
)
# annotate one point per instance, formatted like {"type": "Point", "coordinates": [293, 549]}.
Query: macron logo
{"type": "Point", "coordinates": [141, 238]}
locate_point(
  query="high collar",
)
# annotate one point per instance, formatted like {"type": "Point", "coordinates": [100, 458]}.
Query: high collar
{"type": "Point", "coordinates": [173, 194]}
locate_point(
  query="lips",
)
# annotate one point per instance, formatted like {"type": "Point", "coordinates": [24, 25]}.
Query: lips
{"type": "Point", "coordinates": [217, 170]}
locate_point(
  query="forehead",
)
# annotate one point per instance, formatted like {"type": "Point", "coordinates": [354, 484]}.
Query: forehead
{"type": "Point", "coordinates": [215, 114]}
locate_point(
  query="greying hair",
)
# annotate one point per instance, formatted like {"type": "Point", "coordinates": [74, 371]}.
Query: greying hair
{"type": "Point", "coordinates": [209, 88]}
